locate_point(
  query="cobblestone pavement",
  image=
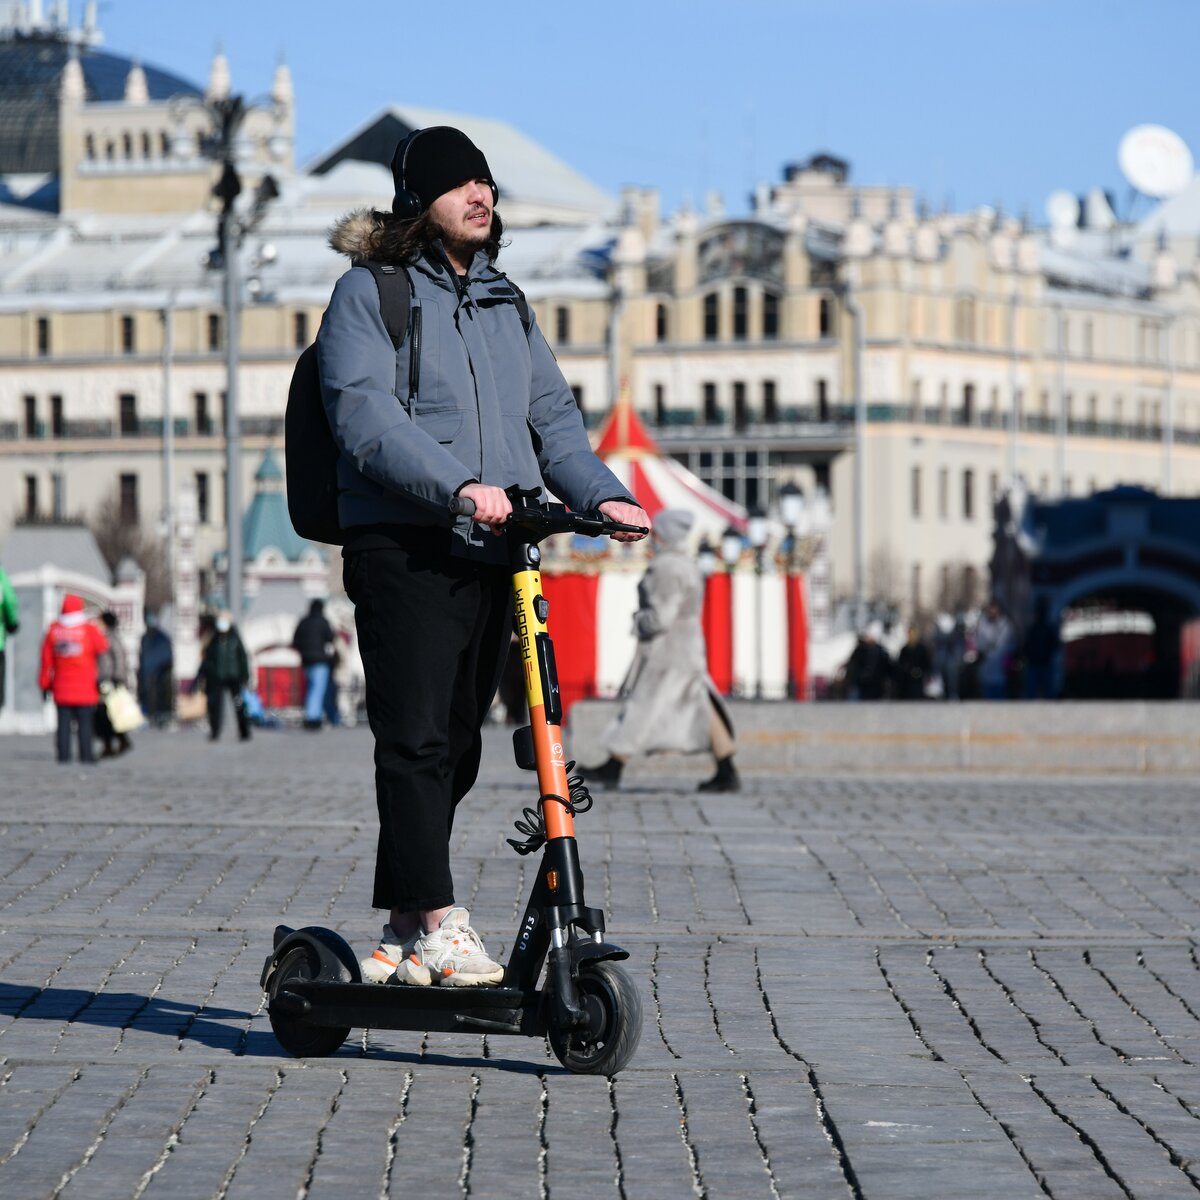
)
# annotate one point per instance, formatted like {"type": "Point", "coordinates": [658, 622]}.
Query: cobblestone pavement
{"type": "Point", "coordinates": [941, 987]}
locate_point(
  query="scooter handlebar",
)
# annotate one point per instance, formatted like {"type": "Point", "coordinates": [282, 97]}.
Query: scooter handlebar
{"type": "Point", "coordinates": [552, 518]}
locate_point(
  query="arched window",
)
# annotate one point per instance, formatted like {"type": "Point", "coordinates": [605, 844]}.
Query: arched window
{"type": "Point", "coordinates": [89, 146]}
{"type": "Point", "coordinates": [770, 316]}
{"type": "Point", "coordinates": [711, 316]}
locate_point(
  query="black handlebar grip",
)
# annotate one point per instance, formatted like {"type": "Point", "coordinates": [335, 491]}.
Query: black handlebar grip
{"type": "Point", "coordinates": [462, 506]}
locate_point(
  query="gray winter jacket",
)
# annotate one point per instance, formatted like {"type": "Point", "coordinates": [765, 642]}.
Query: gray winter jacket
{"type": "Point", "coordinates": [490, 405]}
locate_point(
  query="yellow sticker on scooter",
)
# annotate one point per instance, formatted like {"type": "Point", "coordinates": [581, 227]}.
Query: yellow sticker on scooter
{"type": "Point", "coordinates": [527, 585]}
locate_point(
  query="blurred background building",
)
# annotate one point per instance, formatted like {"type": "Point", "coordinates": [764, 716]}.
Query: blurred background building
{"type": "Point", "coordinates": [906, 365]}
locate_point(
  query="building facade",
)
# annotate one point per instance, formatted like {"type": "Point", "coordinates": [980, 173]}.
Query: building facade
{"type": "Point", "coordinates": [836, 337]}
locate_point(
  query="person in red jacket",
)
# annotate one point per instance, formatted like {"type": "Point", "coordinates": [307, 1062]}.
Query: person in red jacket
{"type": "Point", "coordinates": [69, 671]}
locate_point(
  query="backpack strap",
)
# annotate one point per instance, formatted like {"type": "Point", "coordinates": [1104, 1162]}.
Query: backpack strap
{"type": "Point", "coordinates": [522, 306]}
{"type": "Point", "coordinates": [395, 298]}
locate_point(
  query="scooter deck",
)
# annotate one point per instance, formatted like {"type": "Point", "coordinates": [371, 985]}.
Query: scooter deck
{"type": "Point", "coordinates": [398, 1006]}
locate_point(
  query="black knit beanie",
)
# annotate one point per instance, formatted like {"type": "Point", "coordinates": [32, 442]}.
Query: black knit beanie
{"type": "Point", "coordinates": [434, 161]}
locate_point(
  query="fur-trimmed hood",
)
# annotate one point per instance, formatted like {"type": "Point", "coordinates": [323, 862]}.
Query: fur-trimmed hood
{"type": "Point", "coordinates": [366, 235]}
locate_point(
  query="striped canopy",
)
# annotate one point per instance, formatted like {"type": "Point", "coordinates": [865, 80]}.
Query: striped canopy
{"type": "Point", "coordinates": [659, 481]}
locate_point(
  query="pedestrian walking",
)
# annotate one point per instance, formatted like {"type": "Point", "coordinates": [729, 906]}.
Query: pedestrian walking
{"type": "Point", "coordinates": [913, 666]}
{"type": "Point", "coordinates": [114, 673]}
{"type": "Point", "coordinates": [868, 670]}
{"type": "Point", "coordinates": [472, 401]}
{"type": "Point", "coordinates": [668, 701]}
{"type": "Point", "coordinates": [994, 647]}
{"type": "Point", "coordinates": [224, 668]}
{"type": "Point", "coordinates": [156, 681]}
{"type": "Point", "coordinates": [70, 673]}
{"type": "Point", "coordinates": [10, 622]}
{"type": "Point", "coordinates": [314, 642]}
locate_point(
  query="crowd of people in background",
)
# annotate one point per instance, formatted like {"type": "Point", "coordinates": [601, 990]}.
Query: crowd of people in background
{"type": "Point", "coordinates": [964, 656]}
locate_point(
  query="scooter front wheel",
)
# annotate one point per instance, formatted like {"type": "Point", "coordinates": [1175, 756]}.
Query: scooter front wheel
{"type": "Point", "coordinates": [607, 1042]}
{"type": "Point", "coordinates": [296, 1035]}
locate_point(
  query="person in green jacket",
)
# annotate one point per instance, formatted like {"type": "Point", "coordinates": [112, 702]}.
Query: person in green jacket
{"type": "Point", "coordinates": [10, 621]}
{"type": "Point", "coordinates": [224, 667]}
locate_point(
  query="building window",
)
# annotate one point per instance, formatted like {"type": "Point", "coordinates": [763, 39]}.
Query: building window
{"type": "Point", "coordinates": [128, 493]}
{"type": "Point", "coordinates": [29, 416]}
{"type": "Point", "coordinates": [127, 145]}
{"type": "Point", "coordinates": [300, 337]}
{"type": "Point", "coordinates": [825, 317]}
{"type": "Point", "coordinates": [968, 404]}
{"type": "Point", "coordinates": [741, 411]}
{"type": "Point", "coordinates": [1088, 340]}
{"type": "Point", "coordinates": [915, 491]}
{"type": "Point", "coordinates": [577, 392]}
{"type": "Point", "coordinates": [770, 316]}
{"type": "Point", "coordinates": [147, 148]}
{"type": "Point", "coordinates": [994, 486]}
{"type": "Point", "coordinates": [822, 400]}
{"type": "Point", "coordinates": [164, 144]}
{"type": "Point", "coordinates": [43, 336]}
{"type": "Point", "coordinates": [943, 493]}
{"type": "Point", "coordinates": [202, 513]}
{"type": "Point", "coordinates": [660, 404]}
{"type": "Point", "coordinates": [58, 427]}
{"type": "Point", "coordinates": [711, 317]}
{"type": "Point", "coordinates": [741, 313]}
{"type": "Point", "coordinates": [202, 421]}
{"type": "Point", "coordinates": [214, 331]}
{"type": "Point", "coordinates": [58, 495]}
{"type": "Point", "coordinates": [562, 325]}
{"type": "Point", "coordinates": [712, 414]}
{"type": "Point", "coordinates": [964, 319]}
{"type": "Point", "coordinates": [968, 495]}
{"type": "Point", "coordinates": [1118, 406]}
{"type": "Point", "coordinates": [128, 335]}
{"type": "Point", "coordinates": [127, 414]}
{"type": "Point", "coordinates": [31, 498]}
{"type": "Point", "coordinates": [662, 326]}
{"type": "Point", "coordinates": [915, 588]}
{"type": "Point", "coordinates": [89, 147]}
{"type": "Point", "coordinates": [770, 402]}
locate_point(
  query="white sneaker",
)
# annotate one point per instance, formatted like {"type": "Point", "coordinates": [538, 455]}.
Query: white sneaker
{"type": "Point", "coordinates": [390, 954]}
{"type": "Point", "coordinates": [452, 955]}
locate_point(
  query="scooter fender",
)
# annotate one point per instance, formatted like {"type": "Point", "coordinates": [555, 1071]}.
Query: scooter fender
{"type": "Point", "coordinates": [337, 959]}
{"type": "Point", "coordinates": [584, 951]}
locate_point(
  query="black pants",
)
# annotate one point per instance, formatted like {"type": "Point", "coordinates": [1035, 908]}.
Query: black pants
{"type": "Point", "coordinates": [433, 633]}
{"type": "Point", "coordinates": [215, 693]}
{"type": "Point", "coordinates": [81, 716]}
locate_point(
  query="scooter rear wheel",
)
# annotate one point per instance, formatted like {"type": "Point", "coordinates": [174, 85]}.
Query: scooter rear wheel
{"type": "Point", "coordinates": [296, 1035]}
{"type": "Point", "coordinates": [614, 1008]}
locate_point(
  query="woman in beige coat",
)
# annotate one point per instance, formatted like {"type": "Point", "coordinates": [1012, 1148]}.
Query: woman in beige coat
{"type": "Point", "coordinates": [668, 702]}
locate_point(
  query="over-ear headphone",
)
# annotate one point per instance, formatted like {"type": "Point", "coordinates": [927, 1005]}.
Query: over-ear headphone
{"type": "Point", "coordinates": [406, 203]}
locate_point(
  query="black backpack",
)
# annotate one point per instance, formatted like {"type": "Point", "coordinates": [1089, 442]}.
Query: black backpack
{"type": "Point", "coordinates": [311, 454]}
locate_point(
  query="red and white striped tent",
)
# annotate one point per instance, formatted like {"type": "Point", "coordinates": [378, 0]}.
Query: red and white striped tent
{"type": "Point", "coordinates": [660, 481]}
{"type": "Point", "coordinates": [754, 625]}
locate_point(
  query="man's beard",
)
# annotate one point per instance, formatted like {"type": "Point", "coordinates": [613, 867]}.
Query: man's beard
{"type": "Point", "coordinates": [463, 246]}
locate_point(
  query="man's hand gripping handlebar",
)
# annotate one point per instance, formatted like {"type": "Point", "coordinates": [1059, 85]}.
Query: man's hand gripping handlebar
{"type": "Point", "coordinates": [614, 518]}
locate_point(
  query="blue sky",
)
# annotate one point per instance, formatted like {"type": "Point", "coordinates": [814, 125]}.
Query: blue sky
{"type": "Point", "coordinates": [968, 101]}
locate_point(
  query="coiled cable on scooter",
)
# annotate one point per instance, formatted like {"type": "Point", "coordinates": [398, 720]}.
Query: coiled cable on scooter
{"type": "Point", "coordinates": [533, 825]}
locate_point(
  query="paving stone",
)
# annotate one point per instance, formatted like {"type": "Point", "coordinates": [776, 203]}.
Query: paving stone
{"type": "Point", "coordinates": [853, 987]}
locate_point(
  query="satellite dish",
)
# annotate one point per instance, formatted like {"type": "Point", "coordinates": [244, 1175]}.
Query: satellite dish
{"type": "Point", "coordinates": [1062, 209]}
{"type": "Point", "coordinates": [1156, 161]}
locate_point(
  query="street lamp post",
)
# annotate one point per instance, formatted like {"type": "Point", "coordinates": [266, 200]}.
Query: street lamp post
{"type": "Point", "coordinates": [757, 532]}
{"type": "Point", "coordinates": [226, 115]}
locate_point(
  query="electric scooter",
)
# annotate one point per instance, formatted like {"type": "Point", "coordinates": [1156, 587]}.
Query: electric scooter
{"type": "Point", "coordinates": [586, 1005]}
